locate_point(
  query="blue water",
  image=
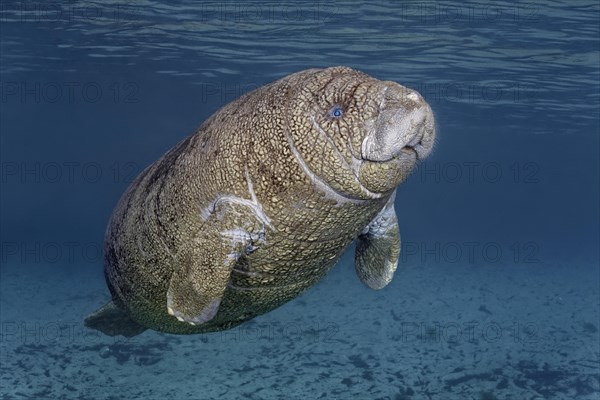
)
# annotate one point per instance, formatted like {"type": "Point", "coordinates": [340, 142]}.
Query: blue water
{"type": "Point", "coordinates": [500, 225]}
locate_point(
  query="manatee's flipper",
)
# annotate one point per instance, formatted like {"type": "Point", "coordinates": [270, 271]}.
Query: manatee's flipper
{"type": "Point", "coordinates": [234, 227]}
{"type": "Point", "coordinates": [378, 248]}
{"type": "Point", "coordinates": [198, 283]}
{"type": "Point", "coordinates": [112, 321]}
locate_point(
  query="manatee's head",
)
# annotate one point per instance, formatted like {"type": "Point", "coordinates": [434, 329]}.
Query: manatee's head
{"type": "Point", "coordinates": [359, 136]}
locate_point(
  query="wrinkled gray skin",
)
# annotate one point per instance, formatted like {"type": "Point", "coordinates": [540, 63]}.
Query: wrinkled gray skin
{"type": "Point", "coordinates": [261, 201]}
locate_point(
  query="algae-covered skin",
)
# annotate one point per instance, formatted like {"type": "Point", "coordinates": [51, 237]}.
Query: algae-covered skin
{"type": "Point", "coordinates": [258, 205]}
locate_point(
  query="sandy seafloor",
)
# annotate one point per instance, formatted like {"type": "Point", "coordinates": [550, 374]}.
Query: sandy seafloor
{"type": "Point", "coordinates": [519, 332]}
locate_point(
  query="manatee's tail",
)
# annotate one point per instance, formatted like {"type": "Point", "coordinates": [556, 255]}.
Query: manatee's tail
{"type": "Point", "coordinates": [112, 321]}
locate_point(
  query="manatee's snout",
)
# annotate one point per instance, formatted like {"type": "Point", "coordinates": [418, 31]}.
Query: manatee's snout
{"type": "Point", "coordinates": [405, 126]}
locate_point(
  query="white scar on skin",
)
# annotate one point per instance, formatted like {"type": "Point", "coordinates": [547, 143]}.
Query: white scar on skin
{"type": "Point", "coordinates": [253, 203]}
{"type": "Point", "coordinates": [242, 237]}
{"type": "Point", "coordinates": [382, 103]}
{"type": "Point", "coordinates": [356, 163]}
{"type": "Point", "coordinates": [330, 193]}
{"type": "Point", "coordinates": [238, 235]}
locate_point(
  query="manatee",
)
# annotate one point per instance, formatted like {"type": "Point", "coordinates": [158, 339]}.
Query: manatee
{"type": "Point", "coordinates": [261, 201]}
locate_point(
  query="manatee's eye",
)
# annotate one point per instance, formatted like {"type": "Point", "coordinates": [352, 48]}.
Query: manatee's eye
{"type": "Point", "coordinates": [336, 111]}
